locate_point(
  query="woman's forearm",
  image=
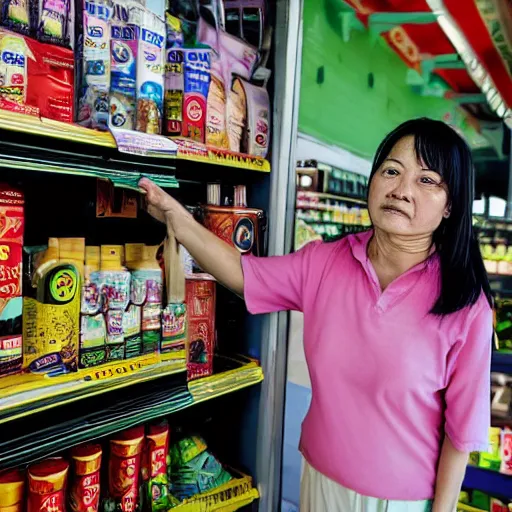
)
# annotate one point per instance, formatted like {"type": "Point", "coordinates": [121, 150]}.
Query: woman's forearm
{"type": "Point", "coordinates": [450, 474]}
{"type": "Point", "coordinates": [211, 253]}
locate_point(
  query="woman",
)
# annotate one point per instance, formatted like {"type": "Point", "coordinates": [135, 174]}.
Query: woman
{"type": "Point", "coordinates": [397, 329]}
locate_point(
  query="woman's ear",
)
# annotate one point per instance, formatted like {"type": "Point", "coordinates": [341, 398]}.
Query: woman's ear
{"type": "Point", "coordinates": [447, 211]}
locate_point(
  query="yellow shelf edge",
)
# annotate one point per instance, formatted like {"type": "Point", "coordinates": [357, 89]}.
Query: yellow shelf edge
{"type": "Point", "coordinates": [467, 508]}
{"type": "Point", "coordinates": [25, 123]}
{"type": "Point", "coordinates": [93, 387]}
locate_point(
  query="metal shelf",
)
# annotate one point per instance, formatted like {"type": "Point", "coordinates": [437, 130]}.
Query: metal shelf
{"type": "Point", "coordinates": [490, 482]}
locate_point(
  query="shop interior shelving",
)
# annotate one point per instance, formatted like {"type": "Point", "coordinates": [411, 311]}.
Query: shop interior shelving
{"type": "Point", "coordinates": [55, 165]}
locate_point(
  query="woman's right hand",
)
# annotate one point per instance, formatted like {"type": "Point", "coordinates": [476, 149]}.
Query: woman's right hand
{"type": "Point", "coordinates": [212, 254]}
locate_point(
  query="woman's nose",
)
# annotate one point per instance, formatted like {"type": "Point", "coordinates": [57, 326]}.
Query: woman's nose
{"type": "Point", "coordinates": [402, 191]}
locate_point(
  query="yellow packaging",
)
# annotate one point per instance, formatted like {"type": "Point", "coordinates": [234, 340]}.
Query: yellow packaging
{"type": "Point", "coordinates": [492, 459]}
{"type": "Point", "coordinates": [72, 250]}
{"type": "Point", "coordinates": [112, 257]}
{"type": "Point", "coordinates": [134, 253]}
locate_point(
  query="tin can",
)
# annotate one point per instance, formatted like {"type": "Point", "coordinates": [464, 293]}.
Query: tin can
{"type": "Point", "coordinates": [85, 490]}
{"type": "Point", "coordinates": [12, 486]}
{"type": "Point", "coordinates": [47, 486]}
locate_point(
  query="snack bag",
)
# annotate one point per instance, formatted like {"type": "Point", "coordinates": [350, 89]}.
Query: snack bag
{"type": "Point", "coordinates": [16, 15]}
{"type": "Point", "coordinates": [94, 96]}
{"type": "Point", "coordinates": [506, 452]}
{"type": "Point", "coordinates": [174, 328]}
{"type": "Point", "coordinates": [12, 220]}
{"type": "Point", "coordinates": [54, 21]}
{"type": "Point", "coordinates": [12, 487]}
{"type": "Point", "coordinates": [197, 83]}
{"type": "Point", "coordinates": [14, 54]}
{"type": "Point", "coordinates": [150, 74]}
{"type": "Point", "coordinates": [124, 51]}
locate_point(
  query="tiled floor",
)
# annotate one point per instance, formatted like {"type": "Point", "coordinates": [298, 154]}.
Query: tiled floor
{"type": "Point", "coordinates": [298, 396]}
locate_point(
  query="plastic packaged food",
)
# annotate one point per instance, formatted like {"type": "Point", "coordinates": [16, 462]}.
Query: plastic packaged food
{"type": "Point", "coordinates": [124, 51]}
{"type": "Point", "coordinates": [47, 486]}
{"type": "Point", "coordinates": [174, 328]}
{"type": "Point", "coordinates": [506, 452]}
{"type": "Point", "coordinates": [197, 83]}
{"type": "Point", "coordinates": [12, 486]}
{"type": "Point", "coordinates": [150, 74]}
{"type": "Point", "coordinates": [16, 15]}
{"type": "Point", "coordinates": [124, 469]}
{"type": "Point", "coordinates": [173, 31]}
{"type": "Point", "coordinates": [54, 20]}
{"type": "Point", "coordinates": [12, 220]}
{"type": "Point", "coordinates": [94, 96]}
{"type": "Point", "coordinates": [84, 492]}
{"type": "Point", "coordinates": [14, 54]}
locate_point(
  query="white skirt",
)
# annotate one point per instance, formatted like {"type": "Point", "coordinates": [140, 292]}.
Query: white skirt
{"type": "Point", "coordinates": [320, 494]}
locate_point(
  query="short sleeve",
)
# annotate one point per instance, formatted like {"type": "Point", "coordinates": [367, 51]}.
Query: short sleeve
{"type": "Point", "coordinates": [276, 283]}
{"type": "Point", "coordinates": [468, 415]}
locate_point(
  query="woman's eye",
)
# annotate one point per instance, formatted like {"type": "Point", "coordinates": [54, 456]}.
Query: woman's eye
{"type": "Point", "coordinates": [428, 181]}
{"type": "Point", "coordinates": [390, 172]}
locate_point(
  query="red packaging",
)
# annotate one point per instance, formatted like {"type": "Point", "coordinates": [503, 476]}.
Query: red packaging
{"type": "Point", "coordinates": [46, 78]}
{"type": "Point", "coordinates": [47, 486]}
{"type": "Point", "coordinates": [84, 494]}
{"type": "Point", "coordinates": [124, 468]}
{"type": "Point", "coordinates": [12, 223]}
{"type": "Point", "coordinates": [506, 452]}
{"type": "Point", "coordinates": [200, 299]}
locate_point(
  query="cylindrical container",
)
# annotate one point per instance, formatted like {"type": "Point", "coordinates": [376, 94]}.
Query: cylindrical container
{"type": "Point", "coordinates": [12, 484]}
{"type": "Point", "coordinates": [124, 468]}
{"type": "Point", "coordinates": [85, 489]}
{"type": "Point", "coordinates": [47, 486]}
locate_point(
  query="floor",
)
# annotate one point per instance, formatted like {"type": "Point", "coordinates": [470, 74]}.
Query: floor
{"type": "Point", "coordinates": [298, 396]}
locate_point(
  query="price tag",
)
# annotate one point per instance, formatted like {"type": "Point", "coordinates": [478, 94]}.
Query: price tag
{"type": "Point", "coordinates": [144, 144]}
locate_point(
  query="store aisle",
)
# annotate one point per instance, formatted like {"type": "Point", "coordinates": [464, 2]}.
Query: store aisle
{"type": "Point", "coordinates": [298, 396]}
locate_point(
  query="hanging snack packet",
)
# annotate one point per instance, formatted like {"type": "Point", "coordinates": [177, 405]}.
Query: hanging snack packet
{"type": "Point", "coordinates": [94, 98]}
{"type": "Point", "coordinates": [236, 115]}
{"type": "Point", "coordinates": [53, 23]}
{"type": "Point", "coordinates": [216, 132]}
{"type": "Point", "coordinates": [124, 49]}
{"type": "Point", "coordinates": [15, 15]}
{"type": "Point", "coordinates": [150, 74]}
{"type": "Point", "coordinates": [14, 53]}
{"type": "Point", "coordinates": [173, 31]}
{"type": "Point", "coordinates": [197, 83]}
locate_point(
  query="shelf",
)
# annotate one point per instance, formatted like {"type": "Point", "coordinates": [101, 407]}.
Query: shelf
{"type": "Point", "coordinates": [99, 414]}
{"type": "Point", "coordinates": [177, 149]}
{"type": "Point", "coordinates": [490, 482]}
{"type": "Point", "coordinates": [462, 507]}
{"type": "Point", "coordinates": [501, 362]}
{"type": "Point", "coordinates": [323, 195]}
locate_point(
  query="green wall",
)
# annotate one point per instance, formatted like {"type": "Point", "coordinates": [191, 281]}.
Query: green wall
{"type": "Point", "coordinates": [344, 110]}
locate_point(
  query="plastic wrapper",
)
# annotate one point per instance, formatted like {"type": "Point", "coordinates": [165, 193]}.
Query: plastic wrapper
{"type": "Point", "coordinates": [12, 219]}
{"type": "Point", "coordinates": [54, 17]}
{"type": "Point", "coordinates": [150, 74]}
{"type": "Point", "coordinates": [94, 97]}
{"type": "Point", "coordinates": [124, 54]}
{"type": "Point", "coordinates": [14, 53]}
{"type": "Point", "coordinates": [17, 15]}
{"type": "Point", "coordinates": [197, 83]}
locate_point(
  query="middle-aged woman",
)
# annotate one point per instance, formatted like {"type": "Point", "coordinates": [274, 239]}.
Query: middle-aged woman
{"type": "Point", "coordinates": [397, 329]}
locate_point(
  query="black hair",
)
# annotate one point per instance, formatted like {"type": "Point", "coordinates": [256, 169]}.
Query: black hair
{"type": "Point", "coordinates": [463, 277]}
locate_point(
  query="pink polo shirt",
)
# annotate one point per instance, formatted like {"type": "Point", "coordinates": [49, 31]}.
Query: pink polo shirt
{"type": "Point", "coordinates": [388, 379]}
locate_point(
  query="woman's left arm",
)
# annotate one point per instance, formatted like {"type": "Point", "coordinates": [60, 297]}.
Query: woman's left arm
{"type": "Point", "coordinates": [450, 474]}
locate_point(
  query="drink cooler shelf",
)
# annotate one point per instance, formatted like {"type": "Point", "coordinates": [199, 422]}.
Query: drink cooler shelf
{"type": "Point", "coordinates": [108, 411]}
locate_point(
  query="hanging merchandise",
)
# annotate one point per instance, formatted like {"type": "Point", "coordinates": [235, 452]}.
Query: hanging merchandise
{"type": "Point", "coordinates": [54, 20]}
{"type": "Point", "coordinates": [11, 303]}
{"type": "Point", "coordinates": [93, 111]}
{"type": "Point", "coordinates": [187, 12]}
{"type": "Point", "coordinates": [197, 73]}
{"type": "Point", "coordinates": [125, 33]}
{"type": "Point", "coordinates": [17, 15]}
{"type": "Point", "coordinates": [150, 74]}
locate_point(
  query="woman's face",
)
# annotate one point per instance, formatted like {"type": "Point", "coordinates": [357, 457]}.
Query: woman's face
{"type": "Point", "coordinates": [405, 197]}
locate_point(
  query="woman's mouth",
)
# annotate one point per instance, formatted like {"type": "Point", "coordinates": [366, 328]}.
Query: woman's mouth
{"type": "Point", "coordinates": [394, 211]}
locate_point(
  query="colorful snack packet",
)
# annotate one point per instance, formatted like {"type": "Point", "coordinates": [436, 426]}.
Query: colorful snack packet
{"type": "Point", "coordinates": [14, 53]}
{"type": "Point", "coordinates": [124, 49]}
{"type": "Point", "coordinates": [84, 494]}
{"type": "Point", "coordinates": [47, 486]}
{"type": "Point", "coordinates": [150, 74]}
{"type": "Point", "coordinates": [94, 97]}
{"type": "Point", "coordinates": [197, 83]}
{"type": "Point", "coordinates": [16, 15]}
{"type": "Point", "coordinates": [53, 22]}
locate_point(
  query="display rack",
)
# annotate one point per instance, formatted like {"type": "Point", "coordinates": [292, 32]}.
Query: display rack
{"type": "Point", "coordinates": [490, 482]}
